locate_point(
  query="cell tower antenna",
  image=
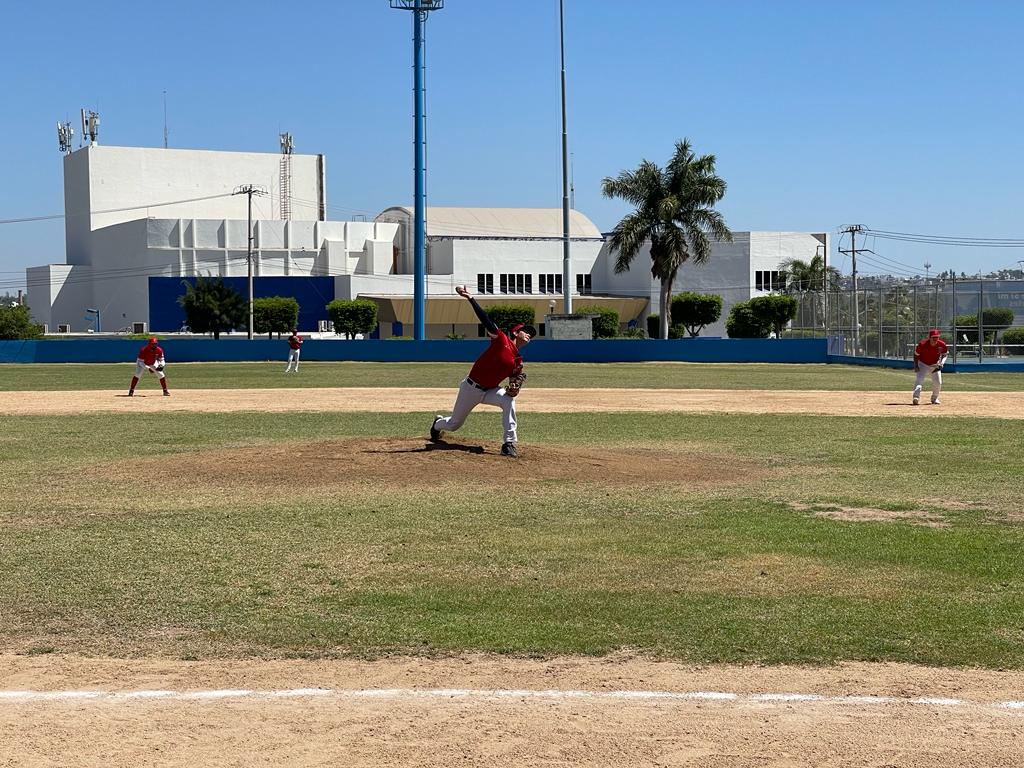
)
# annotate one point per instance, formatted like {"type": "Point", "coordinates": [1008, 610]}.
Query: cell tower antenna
{"type": "Point", "coordinates": [65, 133]}
{"type": "Point", "coordinates": [91, 126]}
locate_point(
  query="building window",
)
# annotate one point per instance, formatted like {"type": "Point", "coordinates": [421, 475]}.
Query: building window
{"type": "Point", "coordinates": [515, 283]}
{"type": "Point", "coordinates": [484, 283]}
{"type": "Point", "coordinates": [583, 284]}
{"type": "Point", "coordinates": [769, 280]}
{"type": "Point", "coordinates": [549, 283]}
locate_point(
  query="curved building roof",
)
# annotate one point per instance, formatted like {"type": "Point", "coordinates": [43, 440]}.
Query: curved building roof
{"type": "Point", "coordinates": [498, 222]}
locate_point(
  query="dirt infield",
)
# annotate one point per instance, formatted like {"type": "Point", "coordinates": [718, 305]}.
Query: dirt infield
{"type": "Point", "coordinates": [1002, 405]}
{"type": "Point", "coordinates": [225, 714]}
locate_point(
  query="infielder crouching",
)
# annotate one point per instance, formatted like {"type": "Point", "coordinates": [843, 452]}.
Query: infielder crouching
{"type": "Point", "coordinates": [151, 358]}
{"type": "Point", "coordinates": [499, 361]}
{"type": "Point", "coordinates": [929, 357]}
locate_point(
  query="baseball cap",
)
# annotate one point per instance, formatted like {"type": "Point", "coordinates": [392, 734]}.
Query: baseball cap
{"type": "Point", "coordinates": [934, 332]}
{"type": "Point", "coordinates": [523, 327]}
{"type": "Point", "coordinates": [152, 340]}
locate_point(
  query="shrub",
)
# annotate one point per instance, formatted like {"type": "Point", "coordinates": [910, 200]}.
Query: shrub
{"type": "Point", "coordinates": [606, 324]}
{"type": "Point", "coordinates": [507, 315]}
{"type": "Point", "coordinates": [776, 310]}
{"type": "Point", "coordinates": [16, 323]}
{"type": "Point", "coordinates": [1015, 338]}
{"type": "Point", "coordinates": [352, 317]}
{"type": "Point", "coordinates": [693, 311]}
{"type": "Point", "coordinates": [677, 331]}
{"type": "Point", "coordinates": [634, 333]}
{"type": "Point", "coordinates": [653, 326]}
{"type": "Point", "coordinates": [275, 314]}
{"type": "Point", "coordinates": [744, 323]}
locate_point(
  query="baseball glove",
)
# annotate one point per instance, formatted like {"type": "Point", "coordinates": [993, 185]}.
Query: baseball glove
{"type": "Point", "coordinates": [515, 382]}
{"type": "Point", "coordinates": [158, 367]}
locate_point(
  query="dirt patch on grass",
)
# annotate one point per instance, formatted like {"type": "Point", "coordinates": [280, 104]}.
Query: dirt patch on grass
{"type": "Point", "coordinates": [873, 514]}
{"type": "Point", "coordinates": [405, 463]}
{"type": "Point", "coordinates": [778, 575]}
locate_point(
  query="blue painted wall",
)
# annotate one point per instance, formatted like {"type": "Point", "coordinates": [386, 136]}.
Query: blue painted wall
{"type": "Point", "coordinates": [312, 293]}
{"type": "Point", "coordinates": [185, 349]}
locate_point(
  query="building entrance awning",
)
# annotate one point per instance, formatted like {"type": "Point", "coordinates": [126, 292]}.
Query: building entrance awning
{"type": "Point", "coordinates": [454, 310]}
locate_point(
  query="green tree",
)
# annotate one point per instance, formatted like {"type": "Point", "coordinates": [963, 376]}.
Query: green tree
{"type": "Point", "coordinates": [274, 314]}
{"type": "Point", "coordinates": [803, 276]}
{"type": "Point", "coordinates": [606, 324]}
{"type": "Point", "coordinates": [693, 311]}
{"type": "Point", "coordinates": [507, 315]}
{"type": "Point", "coordinates": [674, 212]}
{"type": "Point", "coordinates": [1014, 340]}
{"type": "Point", "coordinates": [744, 323]}
{"type": "Point", "coordinates": [16, 323]}
{"type": "Point", "coordinates": [352, 317]}
{"type": "Point", "coordinates": [775, 310]}
{"type": "Point", "coordinates": [213, 307]}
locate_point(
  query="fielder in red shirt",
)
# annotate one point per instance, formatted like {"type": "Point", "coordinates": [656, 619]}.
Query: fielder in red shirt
{"type": "Point", "coordinates": [294, 347]}
{"type": "Point", "coordinates": [501, 360]}
{"type": "Point", "coordinates": [929, 357]}
{"type": "Point", "coordinates": [151, 358]}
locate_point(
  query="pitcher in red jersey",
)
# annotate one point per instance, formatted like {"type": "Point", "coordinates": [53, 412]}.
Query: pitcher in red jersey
{"type": "Point", "coordinates": [929, 357]}
{"type": "Point", "coordinates": [501, 360]}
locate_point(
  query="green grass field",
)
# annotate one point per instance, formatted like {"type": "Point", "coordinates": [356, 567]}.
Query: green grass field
{"type": "Point", "coordinates": [110, 546]}
{"type": "Point", "coordinates": [628, 375]}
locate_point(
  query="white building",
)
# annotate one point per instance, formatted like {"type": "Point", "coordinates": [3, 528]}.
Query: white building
{"type": "Point", "coordinates": [736, 271]}
{"type": "Point", "coordinates": [140, 220]}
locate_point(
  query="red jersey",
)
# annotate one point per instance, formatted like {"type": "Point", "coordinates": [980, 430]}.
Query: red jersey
{"type": "Point", "coordinates": [149, 354]}
{"type": "Point", "coordinates": [295, 341]}
{"type": "Point", "coordinates": [928, 354]}
{"type": "Point", "coordinates": [497, 362]}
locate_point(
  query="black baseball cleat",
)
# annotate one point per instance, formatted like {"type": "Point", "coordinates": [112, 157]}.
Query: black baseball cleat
{"type": "Point", "coordinates": [166, 393]}
{"type": "Point", "coordinates": [435, 433]}
{"type": "Point", "coordinates": [509, 449]}
{"type": "Point", "coordinates": [131, 393]}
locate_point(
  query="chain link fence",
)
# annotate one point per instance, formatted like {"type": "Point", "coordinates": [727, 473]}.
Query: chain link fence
{"type": "Point", "coordinates": [980, 320]}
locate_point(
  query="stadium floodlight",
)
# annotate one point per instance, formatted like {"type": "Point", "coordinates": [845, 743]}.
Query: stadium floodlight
{"type": "Point", "coordinates": [420, 9]}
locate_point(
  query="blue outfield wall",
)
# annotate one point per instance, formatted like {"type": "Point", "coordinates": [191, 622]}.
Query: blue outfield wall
{"type": "Point", "coordinates": [113, 350]}
{"type": "Point", "coordinates": [959, 367]}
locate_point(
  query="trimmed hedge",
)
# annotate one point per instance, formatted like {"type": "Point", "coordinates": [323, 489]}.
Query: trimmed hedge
{"type": "Point", "coordinates": [507, 315]}
{"type": "Point", "coordinates": [606, 324]}
{"type": "Point", "coordinates": [1014, 336]}
{"type": "Point", "coordinates": [274, 314]}
{"type": "Point", "coordinates": [352, 317]}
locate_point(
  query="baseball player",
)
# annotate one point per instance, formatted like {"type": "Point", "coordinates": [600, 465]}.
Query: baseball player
{"type": "Point", "coordinates": [151, 358]}
{"type": "Point", "coordinates": [929, 357]}
{"type": "Point", "coordinates": [501, 360]}
{"type": "Point", "coordinates": [294, 346]}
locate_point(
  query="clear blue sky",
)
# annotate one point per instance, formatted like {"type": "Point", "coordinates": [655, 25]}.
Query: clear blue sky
{"type": "Point", "coordinates": [902, 116]}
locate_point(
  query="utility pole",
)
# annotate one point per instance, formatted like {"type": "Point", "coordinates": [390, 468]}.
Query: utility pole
{"type": "Point", "coordinates": [566, 260]}
{"type": "Point", "coordinates": [853, 229]}
{"type": "Point", "coordinates": [250, 190]}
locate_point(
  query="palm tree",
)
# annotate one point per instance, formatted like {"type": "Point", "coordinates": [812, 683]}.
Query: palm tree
{"type": "Point", "coordinates": [674, 212]}
{"type": "Point", "coordinates": [802, 276]}
{"type": "Point", "coordinates": [812, 277]}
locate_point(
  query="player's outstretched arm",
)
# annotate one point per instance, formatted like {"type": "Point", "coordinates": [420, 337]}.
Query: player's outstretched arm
{"type": "Point", "coordinates": [488, 324]}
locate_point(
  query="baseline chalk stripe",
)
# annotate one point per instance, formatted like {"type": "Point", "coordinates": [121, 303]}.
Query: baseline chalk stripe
{"type": "Point", "coordinates": [17, 697]}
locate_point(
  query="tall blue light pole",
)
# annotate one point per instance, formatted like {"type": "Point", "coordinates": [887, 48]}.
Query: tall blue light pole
{"type": "Point", "coordinates": [420, 8]}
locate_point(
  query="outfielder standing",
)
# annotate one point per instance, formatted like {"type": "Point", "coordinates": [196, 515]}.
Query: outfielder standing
{"type": "Point", "coordinates": [294, 347]}
{"type": "Point", "coordinates": [151, 358]}
{"type": "Point", "coordinates": [929, 357]}
{"type": "Point", "coordinates": [499, 361]}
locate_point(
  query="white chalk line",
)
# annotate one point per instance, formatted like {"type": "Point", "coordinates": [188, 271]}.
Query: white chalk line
{"type": "Point", "coordinates": [490, 694]}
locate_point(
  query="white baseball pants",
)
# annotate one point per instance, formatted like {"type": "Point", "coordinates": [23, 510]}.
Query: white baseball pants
{"type": "Point", "coordinates": [293, 361]}
{"type": "Point", "coordinates": [470, 397]}
{"type": "Point", "coordinates": [141, 367]}
{"type": "Point", "coordinates": [923, 369]}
